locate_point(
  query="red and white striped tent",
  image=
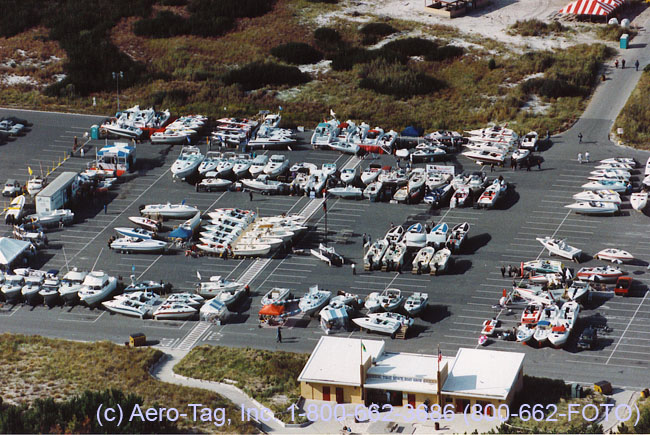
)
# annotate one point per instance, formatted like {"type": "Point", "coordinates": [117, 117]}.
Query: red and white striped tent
{"type": "Point", "coordinates": [589, 7]}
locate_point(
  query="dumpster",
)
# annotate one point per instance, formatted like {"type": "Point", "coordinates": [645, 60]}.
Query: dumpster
{"type": "Point", "coordinates": [603, 387]}
{"type": "Point", "coordinates": [137, 339]}
{"type": "Point", "coordinates": [624, 40]}
{"type": "Point", "coordinates": [94, 132]}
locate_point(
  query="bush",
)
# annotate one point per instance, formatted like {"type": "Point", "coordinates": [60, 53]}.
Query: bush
{"type": "Point", "coordinates": [209, 26]}
{"type": "Point", "coordinates": [492, 64]}
{"type": "Point", "coordinates": [259, 74]}
{"type": "Point", "coordinates": [19, 16]}
{"type": "Point", "coordinates": [331, 2]}
{"type": "Point", "coordinates": [164, 25]}
{"type": "Point", "coordinates": [230, 8]}
{"type": "Point", "coordinates": [534, 62]}
{"type": "Point", "coordinates": [345, 59]}
{"type": "Point", "coordinates": [536, 27]}
{"type": "Point", "coordinates": [297, 53]}
{"type": "Point", "coordinates": [444, 53]}
{"type": "Point", "coordinates": [412, 46]}
{"type": "Point", "coordinates": [397, 80]}
{"type": "Point", "coordinates": [378, 29]}
{"type": "Point", "coordinates": [613, 32]}
{"type": "Point", "coordinates": [327, 35]}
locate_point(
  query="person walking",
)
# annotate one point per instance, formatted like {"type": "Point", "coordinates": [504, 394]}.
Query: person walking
{"type": "Point", "coordinates": [250, 195]}
{"type": "Point", "coordinates": [105, 208]}
{"type": "Point", "coordinates": [354, 269]}
{"type": "Point", "coordinates": [503, 271]}
{"type": "Point", "coordinates": [587, 157]}
{"type": "Point", "coordinates": [510, 271]}
{"type": "Point", "coordinates": [616, 63]}
{"type": "Point", "coordinates": [580, 137]}
{"type": "Point", "coordinates": [491, 167]}
{"type": "Point", "coordinates": [278, 335]}
{"type": "Point", "coordinates": [636, 64]}
{"type": "Point", "coordinates": [579, 157]}
{"type": "Point", "coordinates": [539, 163]}
{"type": "Point", "coordinates": [622, 63]}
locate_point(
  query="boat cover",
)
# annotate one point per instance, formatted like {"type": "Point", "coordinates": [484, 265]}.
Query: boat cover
{"type": "Point", "coordinates": [10, 249]}
{"type": "Point", "coordinates": [180, 233]}
{"type": "Point", "coordinates": [272, 310]}
{"type": "Point", "coordinates": [411, 131]}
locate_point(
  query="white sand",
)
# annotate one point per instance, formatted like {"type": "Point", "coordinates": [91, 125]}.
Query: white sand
{"type": "Point", "coordinates": [13, 80]}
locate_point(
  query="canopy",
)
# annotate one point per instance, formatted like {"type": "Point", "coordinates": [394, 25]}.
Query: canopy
{"type": "Point", "coordinates": [10, 249]}
{"type": "Point", "coordinates": [411, 131]}
{"type": "Point", "coordinates": [332, 315]}
{"type": "Point", "coordinates": [272, 310]}
{"type": "Point", "coordinates": [588, 7]}
{"type": "Point", "coordinates": [180, 233]}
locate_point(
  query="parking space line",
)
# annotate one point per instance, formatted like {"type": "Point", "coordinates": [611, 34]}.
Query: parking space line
{"type": "Point", "coordinates": [627, 327]}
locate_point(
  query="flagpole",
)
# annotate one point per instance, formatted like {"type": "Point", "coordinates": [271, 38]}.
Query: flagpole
{"type": "Point", "coordinates": [438, 377]}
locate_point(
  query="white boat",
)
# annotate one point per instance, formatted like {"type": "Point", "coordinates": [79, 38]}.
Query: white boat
{"type": "Point", "coordinates": [225, 165]}
{"type": "Point", "coordinates": [370, 174]}
{"type": "Point", "coordinates": [373, 191]}
{"type": "Point", "coordinates": [401, 318]}
{"type": "Point", "coordinates": [50, 291]}
{"type": "Point", "coordinates": [345, 147]}
{"type": "Point", "coordinates": [250, 249]}
{"type": "Point", "coordinates": [130, 245]}
{"type": "Point", "coordinates": [598, 196]}
{"type": "Point", "coordinates": [489, 146]}
{"type": "Point", "coordinates": [314, 300]}
{"type": "Point", "coordinates": [12, 287]}
{"type": "Point", "coordinates": [497, 129]}
{"type": "Point", "coordinates": [258, 164]}
{"type": "Point", "coordinates": [520, 154]}
{"type": "Point", "coordinates": [394, 257]}
{"type": "Point", "coordinates": [422, 259]}
{"type": "Point", "coordinates": [372, 302]}
{"type": "Point", "coordinates": [15, 210]}
{"type": "Point", "coordinates": [490, 196]}
{"type": "Point", "coordinates": [122, 129]}
{"type": "Point", "coordinates": [325, 133]}
{"type": "Point", "coordinates": [593, 207]}
{"type": "Point", "coordinates": [624, 160]}
{"type": "Point", "coordinates": [328, 169]}
{"type": "Point", "coordinates": [216, 285]}
{"type": "Point", "coordinates": [385, 325]}
{"type": "Point", "coordinates": [525, 333]}
{"type": "Point", "coordinates": [257, 238]}
{"type": "Point", "coordinates": [277, 165]}
{"type": "Point", "coordinates": [391, 299]}
{"type": "Point", "coordinates": [415, 236]}
{"type": "Point", "coordinates": [349, 192]}
{"type": "Point", "coordinates": [457, 236]}
{"type": "Point", "coordinates": [563, 324]}
{"type": "Point", "coordinates": [271, 139]}
{"type": "Point", "coordinates": [372, 259]}
{"type": "Point", "coordinates": [543, 328]}
{"type": "Point", "coordinates": [440, 261]}
{"type": "Point", "coordinates": [97, 287]}
{"type": "Point", "coordinates": [328, 255]}
{"type": "Point", "coordinates": [599, 274]}
{"type": "Point", "coordinates": [173, 211]}
{"type": "Point", "coordinates": [614, 165]}
{"type": "Point", "coordinates": [560, 248]}
{"type": "Point", "coordinates": [136, 233]}
{"type": "Point", "coordinates": [614, 255]}
{"type": "Point", "coordinates": [144, 286]}
{"type": "Point", "coordinates": [610, 173]}
{"type": "Point", "coordinates": [130, 306]}
{"type": "Point", "coordinates": [187, 162]}
{"type": "Point", "coordinates": [31, 289]}
{"type": "Point", "coordinates": [372, 141]}
{"type": "Point", "coordinates": [210, 162]}
{"type": "Point", "coordinates": [532, 313]}
{"type": "Point", "coordinates": [303, 167]}
{"type": "Point", "coordinates": [639, 200]}
{"type": "Point", "coordinates": [71, 284]}
{"type": "Point", "coordinates": [242, 165]}
{"type": "Point", "coordinates": [35, 185]}
{"type": "Point", "coordinates": [544, 266]}
{"type": "Point", "coordinates": [529, 141]}
{"type": "Point", "coordinates": [427, 154]}
{"type": "Point", "coordinates": [488, 157]}
{"type": "Point", "coordinates": [416, 304]}
{"type": "Point", "coordinates": [395, 234]}
{"type": "Point", "coordinates": [265, 185]}
{"type": "Point", "coordinates": [171, 136]}
{"type": "Point", "coordinates": [214, 184]}
{"type": "Point", "coordinates": [615, 185]}
{"type": "Point", "coordinates": [146, 223]}
{"type": "Point", "coordinates": [460, 198]}
{"type": "Point", "coordinates": [174, 311]}
{"type": "Point", "coordinates": [438, 235]}
{"type": "Point", "coordinates": [396, 177]}
{"type": "Point", "coordinates": [276, 296]}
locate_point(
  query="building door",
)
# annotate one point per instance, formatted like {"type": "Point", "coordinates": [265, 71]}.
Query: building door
{"type": "Point", "coordinates": [461, 404]}
{"type": "Point", "coordinates": [339, 395]}
{"type": "Point", "coordinates": [326, 394]}
{"type": "Point", "coordinates": [411, 399]}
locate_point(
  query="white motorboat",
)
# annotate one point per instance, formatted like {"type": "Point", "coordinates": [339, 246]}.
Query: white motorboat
{"type": "Point", "coordinates": [348, 175]}
{"type": "Point", "coordinates": [544, 266]}
{"type": "Point", "coordinates": [417, 180]}
{"type": "Point", "coordinates": [394, 257]}
{"type": "Point", "coordinates": [231, 297]}
{"type": "Point", "coordinates": [624, 166]}
{"type": "Point", "coordinates": [488, 157]}
{"type": "Point", "coordinates": [385, 325]}
{"type": "Point", "coordinates": [393, 178]}
{"type": "Point", "coordinates": [35, 185]}
{"type": "Point", "coordinates": [328, 255]}
{"type": "Point", "coordinates": [187, 162]}
{"type": "Point", "coordinates": [235, 214]}
{"type": "Point", "coordinates": [395, 234]}
{"type": "Point", "coordinates": [391, 299]}
{"type": "Point", "coordinates": [560, 248]}
{"type": "Point", "coordinates": [543, 328]}
{"type": "Point", "coordinates": [490, 196]}
{"type": "Point", "coordinates": [325, 133]}
{"type": "Point", "coordinates": [96, 287]}
{"type": "Point", "coordinates": [460, 198]}
{"type": "Point", "coordinates": [146, 223]}
{"type": "Point", "coordinates": [440, 261]}
{"type": "Point", "coordinates": [128, 307]}
{"type": "Point", "coordinates": [457, 236]}
{"type": "Point", "coordinates": [31, 289]}
{"type": "Point", "coordinates": [328, 169]}
{"type": "Point", "coordinates": [401, 318]}
{"type": "Point", "coordinates": [599, 274]}
{"type": "Point", "coordinates": [623, 160]}
{"type": "Point", "coordinates": [345, 147]}
{"type": "Point", "coordinates": [15, 211]}
{"type": "Point", "coordinates": [615, 185]}
{"type": "Point", "coordinates": [174, 311]}
{"type": "Point", "coordinates": [563, 324]}
{"type": "Point", "coordinates": [50, 291]}
{"type": "Point", "coordinates": [372, 259]}
{"type": "Point", "coordinates": [144, 286]}
{"type": "Point", "coordinates": [373, 191]}
{"type": "Point", "coordinates": [348, 192]}
{"type": "Point", "coordinates": [438, 235]}
{"type": "Point", "coordinates": [525, 333]}
{"type": "Point", "coordinates": [225, 165]}
{"type": "Point", "coordinates": [614, 255]}
{"type": "Point", "coordinates": [608, 176]}
{"type": "Point", "coordinates": [171, 136]}
{"type": "Point", "coordinates": [427, 154]}
{"type": "Point", "coordinates": [71, 284]}
{"type": "Point", "coordinates": [303, 167]}
{"type": "Point", "coordinates": [593, 207]}
{"type": "Point", "coordinates": [277, 165]}
{"type": "Point", "coordinates": [51, 218]}
{"type": "Point", "coordinates": [497, 129]}
{"type": "Point", "coordinates": [372, 302]}
{"type": "Point", "coordinates": [639, 200]}
{"type": "Point", "coordinates": [12, 287]}
{"type": "Point", "coordinates": [216, 285]}
{"type": "Point", "coordinates": [370, 174]}
{"type": "Point", "coordinates": [191, 299]}
{"type": "Point", "coordinates": [647, 167]}
{"type": "Point", "coordinates": [532, 313]}
{"type": "Point", "coordinates": [265, 185]}
{"type": "Point", "coordinates": [136, 233]}
{"type": "Point", "coordinates": [416, 304]}
{"type": "Point", "coordinates": [529, 141]}
{"type": "Point", "coordinates": [271, 139]}
{"type": "Point", "coordinates": [250, 249]}
{"type": "Point", "coordinates": [520, 154]}
{"type": "Point", "coordinates": [172, 211]}
{"type": "Point", "coordinates": [130, 245]}
{"type": "Point", "coordinates": [210, 162]}
{"type": "Point", "coordinates": [241, 165]}
{"type": "Point", "coordinates": [314, 300]}
{"type": "Point", "coordinates": [598, 196]}
{"type": "Point", "coordinates": [276, 296]}
{"type": "Point", "coordinates": [258, 238]}
{"type": "Point", "coordinates": [258, 164]}
{"type": "Point", "coordinates": [421, 261]}
{"type": "Point", "coordinates": [489, 146]}
{"type": "Point", "coordinates": [415, 236]}
{"type": "Point", "coordinates": [122, 129]}
{"type": "Point", "coordinates": [603, 174]}
{"type": "Point", "coordinates": [214, 184]}
{"type": "Point", "coordinates": [372, 141]}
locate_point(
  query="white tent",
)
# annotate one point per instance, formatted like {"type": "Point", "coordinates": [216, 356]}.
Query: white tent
{"type": "Point", "coordinates": [10, 249]}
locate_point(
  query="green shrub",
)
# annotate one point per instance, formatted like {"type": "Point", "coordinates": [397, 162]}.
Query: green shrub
{"type": "Point", "coordinates": [412, 46]}
{"type": "Point", "coordinates": [328, 36]}
{"type": "Point", "coordinates": [534, 62]}
{"type": "Point", "coordinates": [344, 60]}
{"type": "Point", "coordinates": [536, 27]}
{"type": "Point", "coordinates": [230, 8]}
{"type": "Point", "coordinates": [492, 64]}
{"type": "Point", "coordinates": [174, 97]}
{"type": "Point", "coordinates": [256, 75]}
{"type": "Point", "coordinates": [164, 25]}
{"type": "Point", "coordinates": [210, 26]}
{"type": "Point", "coordinates": [378, 29]}
{"type": "Point", "coordinates": [397, 80]}
{"type": "Point", "coordinates": [445, 52]}
{"type": "Point", "coordinates": [613, 32]}
{"type": "Point", "coordinates": [297, 53]}
{"type": "Point", "coordinates": [18, 16]}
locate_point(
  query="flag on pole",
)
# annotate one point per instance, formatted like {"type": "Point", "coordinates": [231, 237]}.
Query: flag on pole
{"type": "Point", "coordinates": [280, 107]}
{"type": "Point", "coordinates": [198, 275]}
{"type": "Point", "coordinates": [439, 355]}
{"type": "Point", "coordinates": [363, 348]}
{"type": "Point", "coordinates": [29, 170]}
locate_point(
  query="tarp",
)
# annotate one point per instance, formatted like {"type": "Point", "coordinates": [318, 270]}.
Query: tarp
{"type": "Point", "coordinates": [272, 310]}
{"type": "Point", "coordinates": [588, 7]}
{"type": "Point", "coordinates": [334, 315]}
{"type": "Point", "coordinates": [411, 131]}
{"type": "Point", "coordinates": [10, 249]}
{"type": "Point", "coordinates": [180, 233]}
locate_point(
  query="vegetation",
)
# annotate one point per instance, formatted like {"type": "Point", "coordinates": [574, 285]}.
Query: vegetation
{"type": "Point", "coordinates": [270, 377]}
{"type": "Point", "coordinates": [535, 27]}
{"type": "Point", "coordinates": [164, 25]}
{"type": "Point", "coordinates": [297, 53]}
{"type": "Point", "coordinates": [327, 37]}
{"type": "Point", "coordinates": [643, 426]}
{"type": "Point", "coordinates": [613, 32]}
{"type": "Point", "coordinates": [634, 119]}
{"type": "Point", "coordinates": [397, 80]}
{"type": "Point", "coordinates": [33, 367]}
{"type": "Point", "coordinates": [373, 32]}
{"type": "Point", "coordinates": [256, 75]}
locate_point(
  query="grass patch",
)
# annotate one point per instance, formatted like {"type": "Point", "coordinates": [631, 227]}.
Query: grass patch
{"type": "Point", "coordinates": [262, 374]}
{"type": "Point", "coordinates": [634, 119]}
{"type": "Point", "coordinates": [613, 32]}
{"type": "Point", "coordinates": [75, 367]}
{"type": "Point", "coordinates": [535, 27]}
{"type": "Point", "coordinates": [643, 426]}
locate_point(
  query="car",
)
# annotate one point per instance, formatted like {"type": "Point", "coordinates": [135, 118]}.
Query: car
{"type": "Point", "coordinates": [588, 339]}
{"type": "Point", "coordinates": [12, 188]}
{"type": "Point", "coordinates": [16, 120]}
{"type": "Point", "coordinates": [623, 284]}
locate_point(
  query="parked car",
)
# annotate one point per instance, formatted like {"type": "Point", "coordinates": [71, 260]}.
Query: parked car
{"type": "Point", "coordinates": [12, 188]}
{"type": "Point", "coordinates": [588, 339]}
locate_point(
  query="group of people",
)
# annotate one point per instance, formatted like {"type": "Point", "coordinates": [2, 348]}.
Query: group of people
{"type": "Point", "coordinates": [636, 64]}
{"type": "Point", "coordinates": [510, 270]}
{"type": "Point", "coordinates": [584, 159]}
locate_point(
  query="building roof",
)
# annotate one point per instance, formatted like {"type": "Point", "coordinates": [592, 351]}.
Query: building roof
{"type": "Point", "coordinates": [483, 373]}
{"type": "Point", "coordinates": [336, 360]}
{"type": "Point", "coordinates": [406, 372]}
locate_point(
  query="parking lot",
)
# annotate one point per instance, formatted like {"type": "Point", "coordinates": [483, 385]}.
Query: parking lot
{"type": "Point", "coordinates": [459, 301]}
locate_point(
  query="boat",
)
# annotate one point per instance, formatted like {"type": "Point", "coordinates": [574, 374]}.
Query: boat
{"type": "Point", "coordinates": [394, 257]}
{"type": "Point", "coordinates": [129, 307]}
{"type": "Point", "coordinates": [372, 302]}
{"type": "Point", "coordinates": [348, 175]}
{"type": "Point", "coordinates": [531, 314]}
{"type": "Point", "coordinates": [489, 197]}
{"type": "Point", "coordinates": [31, 289]}
{"type": "Point", "coordinates": [486, 157]}
{"type": "Point", "coordinates": [136, 233]}
{"type": "Point", "coordinates": [593, 207]}
{"type": "Point", "coordinates": [560, 248]}
{"type": "Point", "coordinates": [372, 259]}
{"type": "Point", "coordinates": [543, 328]}
{"type": "Point", "coordinates": [173, 211]}
{"type": "Point", "coordinates": [460, 198]}
{"type": "Point", "coordinates": [303, 167]}
{"type": "Point", "coordinates": [277, 165]}
{"type": "Point", "coordinates": [11, 289]}
{"type": "Point", "coordinates": [395, 178]}
{"type": "Point", "coordinates": [241, 165]}
{"type": "Point", "coordinates": [489, 327]}
{"type": "Point", "coordinates": [395, 234]}
{"type": "Point", "coordinates": [457, 236]}
{"type": "Point", "coordinates": [265, 185]}
{"type": "Point", "coordinates": [314, 300]}
{"type": "Point", "coordinates": [497, 129]}
{"type": "Point", "coordinates": [328, 255]}
{"type": "Point", "coordinates": [373, 191]}
{"type": "Point", "coordinates": [146, 223]}
{"type": "Point", "coordinates": [599, 274]}
{"type": "Point", "coordinates": [578, 291]}
{"type": "Point", "coordinates": [529, 141]}
{"type": "Point", "coordinates": [250, 249]}
{"type": "Point", "coordinates": [192, 299]}
{"type": "Point", "coordinates": [401, 318]}
{"type": "Point", "coordinates": [325, 133]}
{"type": "Point", "coordinates": [70, 285]}
{"type": "Point", "coordinates": [35, 185]}
{"type": "Point", "coordinates": [438, 196]}
{"type": "Point", "coordinates": [391, 299]}
{"type": "Point", "coordinates": [614, 255]}
{"type": "Point", "coordinates": [51, 218]}
{"type": "Point", "coordinates": [415, 236]}
{"type": "Point", "coordinates": [370, 174]}
{"type": "Point", "coordinates": [372, 141]}
{"type": "Point", "coordinates": [416, 303]}
{"type": "Point", "coordinates": [276, 296]}
{"type": "Point", "coordinates": [438, 235]}
{"type": "Point", "coordinates": [563, 324]}
{"type": "Point", "coordinates": [187, 162]}
{"type": "Point", "coordinates": [130, 245]}
{"type": "Point", "coordinates": [385, 325]}
{"type": "Point", "coordinates": [328, 169]}
{"type": "Point", "coordinates": [174, 311]}
{"type": "Point", "coordinates": [525, 332]}
{"type": "Point", "coordinates": [272, 139]}
{"type": "Point", "coordinates": [615, 185]}
{"type": "Point", "coordinates": [214, 184]}
{"type": "Point", "coordinates": [615, 165]}
{"type": "Point", "coordinates": [258, 164]}
{"type": "Point", "coordinates": [144, 286]}
{"type": "Point", "coordinates": [603, 174]}
{"type": "Point", "coordinates": [15, 210]}
{"type": "Point", "coordinates": [544, 266]}
{"type": "Point", "coordinates": [624, 160]}
{"type": "Point", "coordinates": [440, 261]}
{"type": "Point", "coordinates": [437, 179]}
{"type": "Point", "coordinates": [421, 261]}
{"type": "Point", "coordinates": [348, 192]}
{"type": "Point", "coordinates": [96, 287]}
{"type": "Point", "coordinates": [599, 196]}
{"type": "Point", "coordinates": [427, 154]}
{"type": "Point", "coordinates": [639, 200]}
{"type": "Point", "coordinates": [216, 285]}
{"type": "Point", "coordinates": [50, 291]}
